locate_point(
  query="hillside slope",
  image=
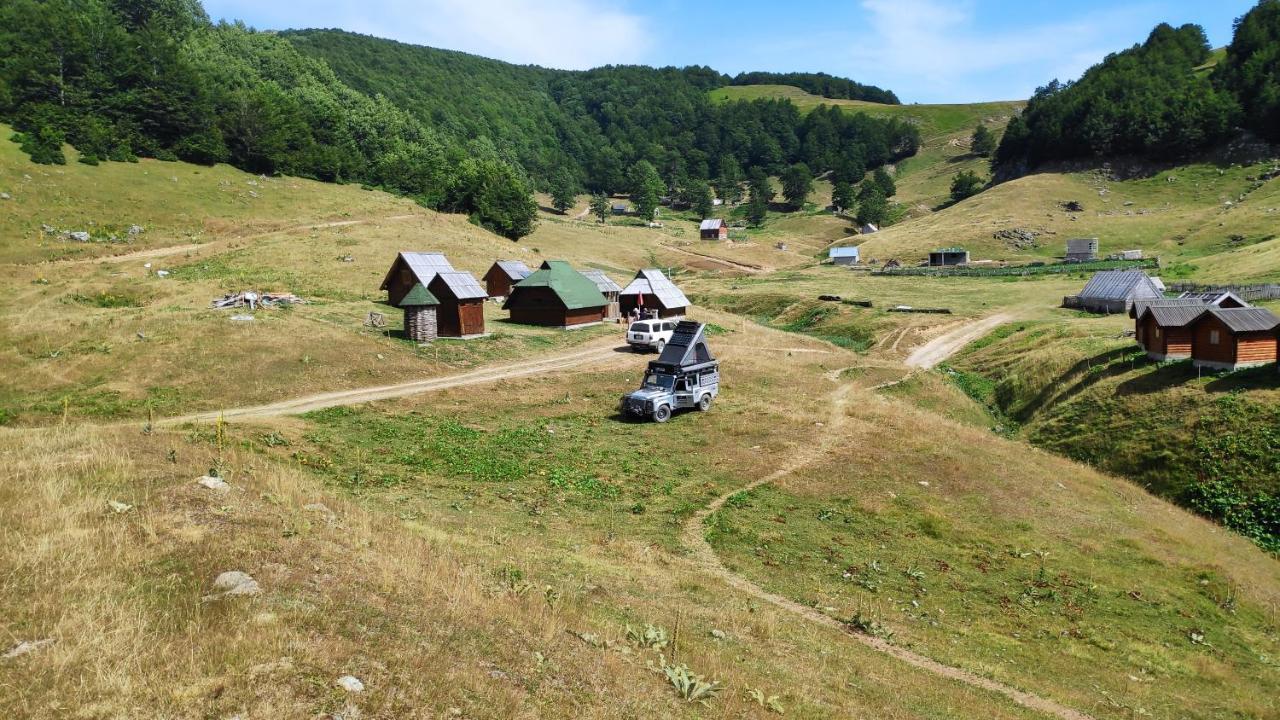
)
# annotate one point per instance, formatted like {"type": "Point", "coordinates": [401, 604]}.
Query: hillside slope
{"type": "Point", "coordinates": [1220, 220]}
{"type": "Point", "coordinates": [501, 549]}
{"type": "Point", "coordinates": [923, 180]}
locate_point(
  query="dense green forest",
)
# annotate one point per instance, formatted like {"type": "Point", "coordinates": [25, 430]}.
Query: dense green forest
{"type": "Point", "coordinates": [1155, 99]}
{"type": "Point", "coordinates": [121, 79]}
{"type": "Point", "coordinates": [599, 123]}
{"type": "Point", "coordinates": [828, 86]}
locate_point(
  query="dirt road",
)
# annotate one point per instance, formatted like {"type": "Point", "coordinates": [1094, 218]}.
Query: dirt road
{"type": "Point", "coordinates": [949, 343]}
{"type": "Point", "coordinates": [731, 264]}
{"type": "Point", "coordinates": [295, 406]}
{"type": "Point", "coordinates": [171, 250]}
{"type": "Point", "coordinates": [694, 538]}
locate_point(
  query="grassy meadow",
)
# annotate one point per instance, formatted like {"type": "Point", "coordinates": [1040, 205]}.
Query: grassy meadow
{"type": "Point", "coordinates": [513, 549]}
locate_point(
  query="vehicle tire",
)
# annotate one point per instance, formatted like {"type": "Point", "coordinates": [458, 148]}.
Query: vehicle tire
{"type": "Point", "coordinates": [662, 413]}
{"type": "Point", "coordinates": [662, 344]}
{"type": "Point", "coordinates": [704, 402]}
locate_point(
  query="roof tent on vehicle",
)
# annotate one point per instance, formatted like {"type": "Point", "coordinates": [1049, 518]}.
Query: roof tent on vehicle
{"type": "Point", "coordinates": [687, 349]}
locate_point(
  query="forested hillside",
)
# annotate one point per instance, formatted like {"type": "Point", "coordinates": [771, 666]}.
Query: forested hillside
{"type": "Point", "coordinates": [1154, 100]}
{"type": "Point", "coordinates": [599, 123]}
{"type": "Point", "coordinates": [821, 84]}
{"type": "Point", "coordinates": [121, 79]}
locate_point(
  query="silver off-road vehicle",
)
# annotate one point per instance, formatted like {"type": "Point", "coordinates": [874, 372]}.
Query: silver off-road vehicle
{"type": "Point", "coordinates": [685, 375]}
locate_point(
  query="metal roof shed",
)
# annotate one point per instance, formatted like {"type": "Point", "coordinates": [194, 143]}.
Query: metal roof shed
{"type": "Point", "coordinates": [1114, 291]}
{"type": "Point", "coordinates": [651, 290]}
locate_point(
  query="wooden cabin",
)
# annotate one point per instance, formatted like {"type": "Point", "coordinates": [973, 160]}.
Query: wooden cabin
{"type": "Point", "coordinates": [651, 292]}
{"type": "Point", "coordinates": [556, 296]}
{"type": "Point", "coordinates": [609, 289]}
{"type": "Point", "coordinates": [502, 275]}
{"type": "Point", "coordinates": [1234, 338]}
{"type": "Point", "coordinates": [1163, 329]}
{"type": "Point", "coordinates": [460, 299]}
{"type": "Point", "coordinates": [713, 229]}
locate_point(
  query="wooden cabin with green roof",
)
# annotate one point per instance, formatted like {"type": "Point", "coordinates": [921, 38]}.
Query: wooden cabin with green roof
{"type": "Point", "coordinates": [420, 319]}
{"type": "Point", "coordinates": [556, 295]}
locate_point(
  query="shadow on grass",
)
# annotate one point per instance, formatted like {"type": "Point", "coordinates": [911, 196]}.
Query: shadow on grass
{"type": "Point", "coordinates": [1092, 369]}
{"type": "Point", "coordinates": [1263, 377]}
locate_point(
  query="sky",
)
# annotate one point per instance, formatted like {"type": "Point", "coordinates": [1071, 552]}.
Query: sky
{"type": "Point", "coordinates": [929, 51]}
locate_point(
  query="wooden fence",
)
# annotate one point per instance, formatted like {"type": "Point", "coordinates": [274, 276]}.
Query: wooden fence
{"type": "Point", "coordinates": [1249, 293]}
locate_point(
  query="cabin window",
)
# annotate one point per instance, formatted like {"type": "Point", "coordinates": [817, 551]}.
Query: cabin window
{"type": "Point", "coordinates": [1213, 337]}
{"type": "Point", "coordinates": [1157, 333]}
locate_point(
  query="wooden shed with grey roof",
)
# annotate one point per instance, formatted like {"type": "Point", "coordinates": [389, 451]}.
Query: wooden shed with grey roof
{"type": "Point", "coordinates": [653, 292]}
{"type": "Point", "coordinates": [1163, 328]}
{"type": "Point", "coordinates": [502, 275]}
{"type": "Point", "coordinates": [1234, 338]}
{"type": "Point", "coordinates": [608, 288]}
{"type": "Point", "coordinates": [1114, 291]}
{"type": "Point", "coordinates": [459, 297]}
{"type": "Point", "coordinates": [556, 295]}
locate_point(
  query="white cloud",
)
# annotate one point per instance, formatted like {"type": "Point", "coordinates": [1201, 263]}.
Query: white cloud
{"type": "Point", "coordinates": [571, 34]}
{"type": "Point", "coordinates": [939, 50]}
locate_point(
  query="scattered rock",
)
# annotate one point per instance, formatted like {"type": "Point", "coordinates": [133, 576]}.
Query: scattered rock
{"type": "Point", "coordinates": [79, 236]}
{"type": "Point", "coordinates": [5, 196]}
{"type": "Point", "coordinates": [162, 273]}
{"type": "Point", "coordinates": [1017, 238]}
{"type": "Point", "coordinates": [214, 483]}
{"type": "Point", "coordinates": [924, 483]}
{"type": "Point", "coordinates": [234, 582]}
{"type": "Point", "coordinates": [350, 683]}
{"type": "Point", "coordinates": [25, 647]}
{"type": "Point", "coordinates": [242, 318]}
{"type": "Point", "coordinates": [346, 258]}
{"type": "Point", "coordinates": [253, 194]}
{"type": "Point", "coordinates": [719, 634]}
{"type": "Point", "coordinates": [317, 508]}
{"type": "Point", "coordinates": [48, 229]}
{"type": "Point", "coordinates": [118, 506]}
{"type": "Point", "coordinates": [134, 230]}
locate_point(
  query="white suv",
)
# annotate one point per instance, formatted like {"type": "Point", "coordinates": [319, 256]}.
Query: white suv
{"type": "Point", "coordinates": [650, 334]}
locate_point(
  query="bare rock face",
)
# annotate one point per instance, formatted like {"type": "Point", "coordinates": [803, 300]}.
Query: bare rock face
{"type": "Point", "coordinates": [25, 647]}
{"type": "Point", "coordinates": [234, 582]}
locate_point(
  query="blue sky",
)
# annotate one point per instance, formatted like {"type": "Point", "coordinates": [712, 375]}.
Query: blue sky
{"type": "Point", "coordinates": [925, 50]}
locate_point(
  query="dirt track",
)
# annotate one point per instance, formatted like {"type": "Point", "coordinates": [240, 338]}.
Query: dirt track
{"type": "Point", "coordinates": [296, 406]}
{"type": "Point", "coordinates": [704, 555]}
{"type": "Point", "coordinates": [949, 343]}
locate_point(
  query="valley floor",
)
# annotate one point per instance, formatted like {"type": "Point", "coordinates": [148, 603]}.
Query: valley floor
{"type": "Point", "coordinates": [472, 531]}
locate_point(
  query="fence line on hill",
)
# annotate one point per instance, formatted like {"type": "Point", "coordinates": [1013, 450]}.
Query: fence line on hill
{"type": "Point", "coordinates": [1251, 293]}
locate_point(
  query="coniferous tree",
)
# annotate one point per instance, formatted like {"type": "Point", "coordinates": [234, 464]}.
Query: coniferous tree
{"type": "Point", "coordinates": [797, 183]}
{"type": "Point", "coordinates": [701, 199]}
{"type": "Point", "coordinates": [983, 142]}
{"type": "Point", "coordinates": [965, 184]}
{"type": "Point", "coordinates": [884, 183]}
{"type": "Point", "coordinates": [646, 189]}
{"type": "Point", "coordinates": [842, 196]}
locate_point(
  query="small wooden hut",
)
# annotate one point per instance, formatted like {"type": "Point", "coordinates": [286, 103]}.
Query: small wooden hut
{"type": "Point", "coordinates": [502, 275]}
{"type": "Point", "coordinates": [1082, 250]}
{"type": "Point", "coordinates": [1234, 338]}
{"type": "Point", "coordinates": [460, 299]}
{"type": "Point", "coordinates": [556, 296]}
{"type": "Point", "coordinates": [652, 292]}
{"type": "Point", "coordinates": [1163, 329]}
{"type": "Point", "coordinates": [713, 229]}
{"type": "Point", "coordinates": [609, 289]}
{"type": "Point", "coordinates": [420, 306]}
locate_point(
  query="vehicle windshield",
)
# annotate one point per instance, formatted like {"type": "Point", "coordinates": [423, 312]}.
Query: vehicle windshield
{"type": "Point", "coordinates": [654, 380]}
{"type": "Point", "coordinates": [640, 327]}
